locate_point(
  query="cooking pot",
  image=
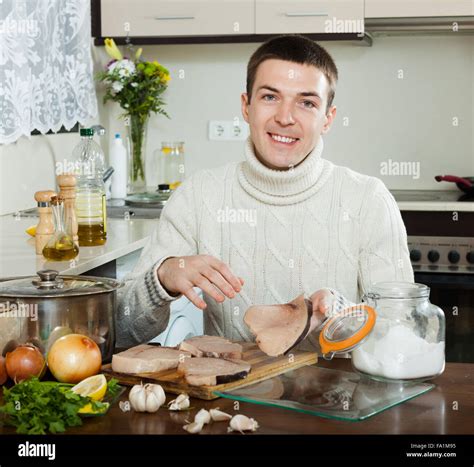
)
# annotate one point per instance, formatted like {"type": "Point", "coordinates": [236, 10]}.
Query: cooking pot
{"type": "Point", "coordinates": [41, 309]}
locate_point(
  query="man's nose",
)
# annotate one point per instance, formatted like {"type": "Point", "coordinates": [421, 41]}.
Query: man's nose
{"type": "Point", "coordinates": [284, 114]}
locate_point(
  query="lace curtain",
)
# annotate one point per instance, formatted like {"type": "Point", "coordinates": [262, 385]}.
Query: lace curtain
{"type": "Point", "coordinates": [46, 70]}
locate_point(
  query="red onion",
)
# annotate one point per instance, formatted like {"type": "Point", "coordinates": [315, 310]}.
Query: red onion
{"type": "Point", "coordinates": [3, 371]}
{"type": "Point", "coordinates": [24, 362]}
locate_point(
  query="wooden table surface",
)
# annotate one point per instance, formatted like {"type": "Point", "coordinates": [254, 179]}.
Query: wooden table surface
{"type": "Point", "coordinates": [446, 409]}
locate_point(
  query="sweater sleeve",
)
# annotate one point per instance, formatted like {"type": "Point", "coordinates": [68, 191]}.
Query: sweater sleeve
{"type": "Point", "coordinates": [384, 252]}
{"type": "Point", "coordinates": [143, 304]}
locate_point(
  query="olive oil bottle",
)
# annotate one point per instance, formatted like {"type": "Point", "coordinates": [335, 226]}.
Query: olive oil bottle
{"type": "Point", "coordinates": [60, 246]}
{"type": "Point", "coordinates": [90, 197]}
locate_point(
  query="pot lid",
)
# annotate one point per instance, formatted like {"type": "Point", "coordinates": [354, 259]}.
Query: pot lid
{"type": "Point", "coordinates": [346, 330]}
{"type": "Point", "coordinates": [48, 283]}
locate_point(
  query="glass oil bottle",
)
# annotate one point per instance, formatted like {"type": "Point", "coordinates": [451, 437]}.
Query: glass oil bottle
{"type": "Point", "coordinates": [61, 246]}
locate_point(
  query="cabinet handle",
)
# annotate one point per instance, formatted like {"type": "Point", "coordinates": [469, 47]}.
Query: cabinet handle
{"type": "Point", "coordinates": [304, 14]}
{"type": "Point", "coordinates": [159, 18]}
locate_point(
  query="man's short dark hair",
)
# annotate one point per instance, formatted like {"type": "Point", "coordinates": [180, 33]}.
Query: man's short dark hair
{"type": "Point", "coordinates": [298, 49]}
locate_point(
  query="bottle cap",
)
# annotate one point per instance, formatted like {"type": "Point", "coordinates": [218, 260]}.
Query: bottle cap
{"type": "Point", "coordinates": [117, 136]}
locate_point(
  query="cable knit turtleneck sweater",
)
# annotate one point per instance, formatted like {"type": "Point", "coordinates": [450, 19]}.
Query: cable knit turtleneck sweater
{"type": "Point", "coordinates": [289, 232]}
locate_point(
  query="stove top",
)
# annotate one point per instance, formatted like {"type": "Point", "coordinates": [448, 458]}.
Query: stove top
{"type": "Point", "coordinates": [431, 196]}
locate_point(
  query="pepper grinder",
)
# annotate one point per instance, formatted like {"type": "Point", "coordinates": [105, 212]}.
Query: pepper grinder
{"type": "Point", "coordinates": [45, 227]}
{"type": "Point", "coordinates": [67, 185]}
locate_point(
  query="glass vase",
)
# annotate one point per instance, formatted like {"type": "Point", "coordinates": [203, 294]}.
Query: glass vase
{"type": "Point", "coordinates": [137, 133]}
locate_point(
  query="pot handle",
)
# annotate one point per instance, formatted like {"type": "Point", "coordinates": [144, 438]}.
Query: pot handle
{"type": "Point", "coordinates": [48, 280]}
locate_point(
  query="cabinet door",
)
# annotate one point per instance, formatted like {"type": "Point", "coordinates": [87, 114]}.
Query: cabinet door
{"type": "Point", "coordinates": [156, 18]}
{"type": "Point", "coordinates": [309, 16]}
{"type": "Point", "coordinates": [417, 8]}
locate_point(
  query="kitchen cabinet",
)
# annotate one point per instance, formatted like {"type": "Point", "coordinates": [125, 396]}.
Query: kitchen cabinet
{"type": "Point", "coordinates": [309, 16]}
{"type": "Point", "coordinates": [160, 18]}
{"type": "Point", "coordinates": [417, 8]}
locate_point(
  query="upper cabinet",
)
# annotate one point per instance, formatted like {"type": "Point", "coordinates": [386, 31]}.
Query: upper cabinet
{"type": "Point", "coordinates": [418, 8]}
{"type": "Point", "coordinates": [155, 18]}
{"type": "Point", "coordinates": [309, 16]}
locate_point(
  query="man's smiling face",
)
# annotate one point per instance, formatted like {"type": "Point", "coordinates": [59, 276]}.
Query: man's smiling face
{"type": "Point", "coordinates": [287, 112]}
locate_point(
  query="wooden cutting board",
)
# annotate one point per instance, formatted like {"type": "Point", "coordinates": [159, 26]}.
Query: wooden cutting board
{"type": "Point", "coordinates": [263, 367]}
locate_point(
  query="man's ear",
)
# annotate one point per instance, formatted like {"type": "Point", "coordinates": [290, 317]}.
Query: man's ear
{"type": "Point", "coordinates": [245, 106]}
{"type": "Point", "coordinates": [330, 116]}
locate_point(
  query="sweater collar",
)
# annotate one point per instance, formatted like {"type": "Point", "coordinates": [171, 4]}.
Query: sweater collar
{"type": "Point", "coordinates": [287, 186]}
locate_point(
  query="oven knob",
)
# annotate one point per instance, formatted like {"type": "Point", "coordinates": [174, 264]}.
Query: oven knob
{"type": "Point", "coordinates": [415, 255]}
{"type": "Point", "coordinates": [470, 257]}
{"type": "Point", "coordinates": [433, 256]}
{"type": "Point", "coordinates": [454, 256]}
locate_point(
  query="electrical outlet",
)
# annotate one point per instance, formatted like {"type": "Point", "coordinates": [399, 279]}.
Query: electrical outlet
{"type": "Point", "coordinates": [228, 130]}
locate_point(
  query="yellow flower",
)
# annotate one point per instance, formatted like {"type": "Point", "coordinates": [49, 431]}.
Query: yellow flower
{"type": "Point", "coordinates": [112, 49]}
{"type": "Point", "coordinates": [138, 54]}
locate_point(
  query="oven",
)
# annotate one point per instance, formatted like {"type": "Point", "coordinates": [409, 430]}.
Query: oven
{"type": "Point", "coordinates": [441, 245]}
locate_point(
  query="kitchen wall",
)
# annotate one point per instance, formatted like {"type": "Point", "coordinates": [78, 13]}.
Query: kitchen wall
{"type": "Point", "coordinates": [405, 99]}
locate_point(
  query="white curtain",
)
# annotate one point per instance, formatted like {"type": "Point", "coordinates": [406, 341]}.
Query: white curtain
{"type": "Point", "coordinates": [46, 70]}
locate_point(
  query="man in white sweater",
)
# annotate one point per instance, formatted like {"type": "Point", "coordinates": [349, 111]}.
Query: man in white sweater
{"type": "Point", "coordinates": [282, 222]}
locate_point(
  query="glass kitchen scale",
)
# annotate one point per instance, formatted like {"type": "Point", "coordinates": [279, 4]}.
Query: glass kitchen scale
{"type": "Point", "coordinates": [333, 394]}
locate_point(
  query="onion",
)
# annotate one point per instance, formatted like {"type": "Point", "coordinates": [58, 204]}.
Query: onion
{"type": "Point", "coordinates": [24, 362]}
{"type": "Point", "coordinates": [3, 371]}
{"type": "Point", "coordinates": [73, 358]}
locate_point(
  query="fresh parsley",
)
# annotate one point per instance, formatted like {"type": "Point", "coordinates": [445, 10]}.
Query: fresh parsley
{"type": "Point", "coordinates": [38, 407]}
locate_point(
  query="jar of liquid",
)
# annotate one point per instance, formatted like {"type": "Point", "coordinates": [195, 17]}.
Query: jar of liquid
{"type": "Point", "coordinates": [407, 342]}
{"type": "Point", "coordinates": [90, 196]}
{"type": "Point", "coordinates": [171, 164]}
{"type": "Point", "coordinates": [60, 246]}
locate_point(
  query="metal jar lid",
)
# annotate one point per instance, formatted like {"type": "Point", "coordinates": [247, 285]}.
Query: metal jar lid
{"type": "Point", "coordinates": [48, 283]}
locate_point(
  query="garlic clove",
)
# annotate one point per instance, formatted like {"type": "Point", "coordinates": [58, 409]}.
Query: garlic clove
{"type": "Point", "coordinates": [203, 416]}
{"type": "Point", "coordinates": [180, 403]}
{"type": "Point", "coordinates": [193, 428]}
{"type": "Point", "coordinates": [219, 416]}
{"type": "Point", "coordinates": [242, 423]}
{"type": "Point", "coordinates": [152, 403]}
{"type": "Point", "coordinates": [137, 398]}
{"type": "Point", "coordinates": [158, 392]}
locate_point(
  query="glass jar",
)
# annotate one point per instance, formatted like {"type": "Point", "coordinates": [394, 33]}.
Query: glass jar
{"type": "Point", "coordinates": [171, 164]}
{"type": "Point", "coordinates": [407, 342]}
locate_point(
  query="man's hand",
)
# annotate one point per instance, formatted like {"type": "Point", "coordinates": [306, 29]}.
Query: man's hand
{"type": "Point", "coordinates": [178, 275]}
{"type": "Point", "coordinates": [322, 302]}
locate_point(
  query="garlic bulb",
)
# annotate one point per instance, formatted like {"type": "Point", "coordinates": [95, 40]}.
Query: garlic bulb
{"type": "Point", "coordinates": [242, 423]}
{"type": "Point", "coordinates": [219, 416]}
{"type": "Point", "coordinates": [203, 416]}
{"type": "Point", "coordinates": [180, 403]}
{"type": "Point", "coordinates": [146, 398]}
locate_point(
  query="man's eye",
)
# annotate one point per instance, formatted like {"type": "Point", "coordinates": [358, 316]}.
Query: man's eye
{"type": "Point", "coordinates": [268, 97]}
{"type": "Point", "coordinates": [309, 104]}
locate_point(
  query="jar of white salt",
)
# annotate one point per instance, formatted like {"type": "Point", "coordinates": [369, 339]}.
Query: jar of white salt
{"type": "Point", "coordinates": [407, 342]}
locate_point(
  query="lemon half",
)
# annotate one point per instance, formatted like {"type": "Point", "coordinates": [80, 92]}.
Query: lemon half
{"type": "Point", "coordinates": [94, 387]}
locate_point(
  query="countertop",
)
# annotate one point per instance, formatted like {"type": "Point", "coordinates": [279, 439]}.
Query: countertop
{"type": "Point", "coordinates": [433, 200]}
{"type": "Point", "coordinates": [446, 409]}
{"type": "Point", "coordinates": [17, 248]}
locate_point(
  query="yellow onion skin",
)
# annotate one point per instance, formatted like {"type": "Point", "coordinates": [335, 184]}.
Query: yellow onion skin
{"type": "Point", "coordinates": [73, 358]}
{"type": "Point", "coordinates": [25, 362]}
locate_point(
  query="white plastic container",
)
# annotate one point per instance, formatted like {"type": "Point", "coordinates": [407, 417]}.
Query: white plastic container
{"type": "Point", "coordinates": [118, 160]}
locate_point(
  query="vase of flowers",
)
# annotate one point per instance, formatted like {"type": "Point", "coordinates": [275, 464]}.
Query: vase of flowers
{"type": "Point", "coordinates": [137, 86]}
